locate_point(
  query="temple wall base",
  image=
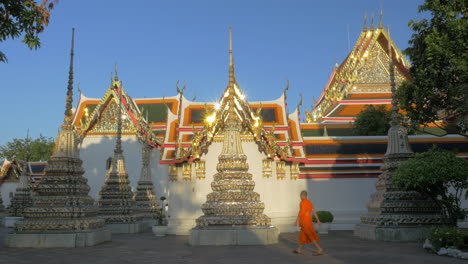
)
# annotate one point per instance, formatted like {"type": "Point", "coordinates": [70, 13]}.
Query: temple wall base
{"type": "Point", "coordinates": [127, 228]}
{"type": "Point", "coordinates": [233, 236]}
{"type": "Point", "coordinates": [59, 240]}
{"type": "Point", "coordinates": [391, 233]}
{"type": "Point", "coordinates": [284, 222]}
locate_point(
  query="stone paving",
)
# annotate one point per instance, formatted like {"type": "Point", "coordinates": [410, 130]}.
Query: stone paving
{"type": "Point", "coordinates": [340, 246]}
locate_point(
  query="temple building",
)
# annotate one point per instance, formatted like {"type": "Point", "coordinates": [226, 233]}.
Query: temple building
{"type": "Point", "coordinates": [10, 173]}
{"type": "Point", "coordinates": [284, 155]}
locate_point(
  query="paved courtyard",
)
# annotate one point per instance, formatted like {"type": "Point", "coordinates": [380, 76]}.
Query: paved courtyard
{"type": "Point", "coordinates": [341, 247]}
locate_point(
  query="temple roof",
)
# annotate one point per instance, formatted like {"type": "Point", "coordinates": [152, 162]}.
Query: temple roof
{"type": "Point", "coordinates": [363, 78]}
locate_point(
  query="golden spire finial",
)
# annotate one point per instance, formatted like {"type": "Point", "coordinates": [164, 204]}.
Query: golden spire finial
{"type": "Point", "coordinates": [231, 59]}
{"type": "Point", "coordinates": [372, 21]}
{"type": "Point", "coordinates": [380, 18]}
{"type": "Point", "coordinates": [365, 21]}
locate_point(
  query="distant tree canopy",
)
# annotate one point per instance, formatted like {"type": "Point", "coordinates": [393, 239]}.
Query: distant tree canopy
{"type": "Point", "coordinates": [372, 121]}
{"type": "Point", "coordinates": [439, 70]}
{"type": "Point", "coordinates": [28, 149]}
{"type": "Point", "coordinates": [25, 18]}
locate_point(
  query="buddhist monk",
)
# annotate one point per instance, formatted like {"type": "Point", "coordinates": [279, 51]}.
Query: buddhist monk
{"type": "Point", "coordinates": [304, 220]}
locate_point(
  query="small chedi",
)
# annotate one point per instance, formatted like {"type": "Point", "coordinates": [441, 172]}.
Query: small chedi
{"type": "Point", "coordinates": [233, 201]}
{"type": "Point", "coordinates": [22, 197]}
{"type": "Point", "coordinates": [116, 204]}
{"type": "Point", "coordinates": [396, 215]}
{"type": "Point", "coordinates": [233, 213]}
{"type": "Point", "coordinates": [62, 213]}
{"type": "Point", "coordinates": [146, 200]}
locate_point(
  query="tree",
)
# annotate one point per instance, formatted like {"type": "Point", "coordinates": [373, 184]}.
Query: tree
{"type": "Point", "coordinates": [372, 121]}
{"type": "Point", "coordinates": [28, 149]}
{"type": "Point", "coordinates": [25, 18]}
{"type": "Point", "coordinates": [438, 52]}
{"type": "Point", "coordinates": [440, 175]}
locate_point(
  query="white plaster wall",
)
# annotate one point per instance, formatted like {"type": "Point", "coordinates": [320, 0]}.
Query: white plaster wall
{"type": "Point", "coordinates": [96, 150]}
{"type": "Point", "coordinates": [8, 189]}
{"type": "Point", "coordinates": [345, 198]}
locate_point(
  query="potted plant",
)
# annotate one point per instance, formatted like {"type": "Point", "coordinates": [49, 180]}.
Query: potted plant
{"type": "Point", "coordinates": [160, 229]}
{"type": "Point", "coordinates": [326, 218]}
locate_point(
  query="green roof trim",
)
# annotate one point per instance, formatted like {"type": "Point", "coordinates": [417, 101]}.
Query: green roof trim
{"type": "Point", "coordinates": [156, 113]}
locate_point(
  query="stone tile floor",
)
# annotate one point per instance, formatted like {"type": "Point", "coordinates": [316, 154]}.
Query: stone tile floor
{"type": "Point", "coordinates": [340, 247]}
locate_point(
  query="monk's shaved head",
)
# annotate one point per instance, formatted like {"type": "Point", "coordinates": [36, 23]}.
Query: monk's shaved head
{"type": "Point", "coordinates": [304, 193]}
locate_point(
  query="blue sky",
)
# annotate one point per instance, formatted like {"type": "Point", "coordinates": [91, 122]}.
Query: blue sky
{"type": "Point", "coordinates": [156, 43]}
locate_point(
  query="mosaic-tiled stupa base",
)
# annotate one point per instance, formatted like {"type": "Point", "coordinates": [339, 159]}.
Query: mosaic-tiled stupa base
{"type": "Point", "coordinates": [116, 205]}
{"type": "Point", "coordinates": [146, 201]}
{"type": "Point", "coordinates": [396, 215]}
{"type": "Point", "coordinates": [62, 214]}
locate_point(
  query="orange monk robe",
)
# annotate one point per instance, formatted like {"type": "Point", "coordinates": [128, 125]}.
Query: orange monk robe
{"type": "Point", "coordinates": [307, 234]}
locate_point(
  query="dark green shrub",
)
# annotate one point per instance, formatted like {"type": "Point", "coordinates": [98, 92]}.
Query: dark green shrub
{"type": "Point", "coordinates": [440, 175]}
{"type": "Point", "coordinates": [324, 216]}
{"type": "Point", "coordinates": [445, 237]}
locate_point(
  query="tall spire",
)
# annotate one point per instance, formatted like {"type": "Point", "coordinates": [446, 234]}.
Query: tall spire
{"type": "Point", "coordinates": [69, 100]}
{"type": "Point", "coordinates": [372, 21]}
{"type": "Point", "coordinates": [395, 117]}
{"type": "Point", "coordinates": [397, 136]}
{"type": "Point", "coordinates": [118, 144]}
{"type": "Point", "coordinates": [231, 60]}
{"type": "Point", "coordinates": [365, 21]}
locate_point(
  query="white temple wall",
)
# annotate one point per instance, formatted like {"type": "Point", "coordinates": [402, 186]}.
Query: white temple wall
{"type": "Point", "coordinates": [7, 190]}
{"type": "Point", "coordinates": [345, 198]}
{"type": "Point", "coordinates": [95, 150]}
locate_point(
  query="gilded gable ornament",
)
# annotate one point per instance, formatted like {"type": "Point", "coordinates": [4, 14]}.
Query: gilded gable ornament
{"type": "Point", "coordinates": [107, 122]}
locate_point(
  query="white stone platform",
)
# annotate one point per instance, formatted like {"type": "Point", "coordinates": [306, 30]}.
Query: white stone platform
{"type": "Point", "coordinates": [391, 233]}
{"type": "Point", "coordinates": [233, 236]}
{"type": "Point", "coordinates": [58, 240]}
{"type": "Point", "coordinates": [127, 228]}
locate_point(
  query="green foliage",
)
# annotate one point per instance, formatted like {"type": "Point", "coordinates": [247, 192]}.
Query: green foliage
{"type": "Point", "coordinates": [28, 149]}
{"type": "Point", "coordinates": [438, 52]}
{"type": "Point", "coordinates": [25, 18]}
{"type": "Point", "coordinates": [445, 237]}
{"type": "Point", "coordinates": [438, 174]}
{"type": "Point", "coordinates": [324, 216]}
{"type": "Point", "coordinates": [372, 121]}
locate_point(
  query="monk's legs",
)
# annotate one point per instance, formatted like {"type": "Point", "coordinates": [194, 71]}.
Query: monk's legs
{"type": "Point", "coordinates": [317, 246]}
{"type": "Point", "coordinates": [299, 249]}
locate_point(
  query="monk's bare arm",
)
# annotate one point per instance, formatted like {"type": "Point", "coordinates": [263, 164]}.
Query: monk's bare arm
{"type": "Point", "coordinates": [316, 217]}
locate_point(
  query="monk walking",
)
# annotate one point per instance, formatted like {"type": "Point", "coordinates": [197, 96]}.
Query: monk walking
{"type": "Point", "coordinates": [304, 220]}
